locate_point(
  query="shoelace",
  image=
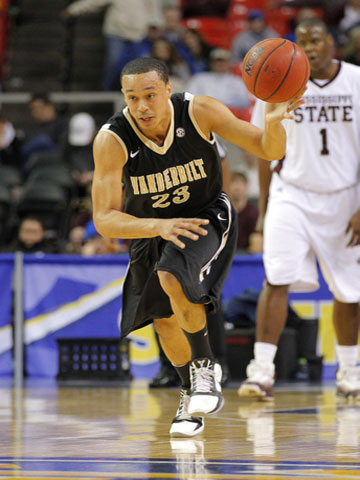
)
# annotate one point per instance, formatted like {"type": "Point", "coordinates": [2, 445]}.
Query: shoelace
{"type": "Point", "coordinates": [202, 379]}
{"type": "Point", "coordinates": [183, 405]}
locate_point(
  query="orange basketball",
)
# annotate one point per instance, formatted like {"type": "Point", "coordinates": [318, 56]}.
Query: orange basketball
{"type": "Point", "coordinates": [275, 70]}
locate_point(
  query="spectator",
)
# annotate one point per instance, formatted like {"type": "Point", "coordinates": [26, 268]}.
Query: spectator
{"type": "Point", "coordinates": [220, 82]}
{"type": "Point", "coordinates": [31, 238]}
{"type": "Point", "coordinates": [98, 245]}
{"type": "Point", "coordinates": [145, 45]}
{"type": "Point", "coordinates": [95, 244]}
{"type": "Point", "coordinates": [351, 16]}
{"type": "Point", "coordinates": [199, 51]}
{"type": "Point", "coordinates": [257, 31]}
{"type": "Point", "coordinates": [163, 49]}
{"type": "Point", "coordinates": [173, 28]}
{"type": "Point", "coordinates": [78, 150]}
{"type": "Point", "coordinates": [48, 130]}
{"type": "Point", "coordinates": [10, 145]}
{"type": "Point", "coordinates": [351, 51]}
{"type": "Point", "coordinates": [125, 25]}
{"type": "Point", "coordinates": [76, 240]}
{"type": "Point", "coordinates": [247, 213]}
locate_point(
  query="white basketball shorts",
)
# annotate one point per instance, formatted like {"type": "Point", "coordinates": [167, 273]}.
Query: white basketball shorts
{"type": "Point", "coordinates": [302, 226]}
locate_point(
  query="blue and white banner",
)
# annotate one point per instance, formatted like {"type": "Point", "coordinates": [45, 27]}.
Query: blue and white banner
{"type": "Point", "coordinates": [76, 297]}
{"type": "Point", "coordinates": [6, 336]}
{"type": "Point", "coordinates": [68, 297]}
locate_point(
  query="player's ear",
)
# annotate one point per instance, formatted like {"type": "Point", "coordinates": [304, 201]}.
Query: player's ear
{"type": "Point", "coordinates": [168, 89]}
{"type": "Point", "coordinates": [330, 39]}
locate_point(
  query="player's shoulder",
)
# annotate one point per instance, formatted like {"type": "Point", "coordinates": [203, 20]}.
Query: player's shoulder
{"type": "Point", "coordinates": [191, 102]}
{"type": "Point", "coordinates": [350, 68]}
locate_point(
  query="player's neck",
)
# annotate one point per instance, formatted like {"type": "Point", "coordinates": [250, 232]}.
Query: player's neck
{"type": "Point", "coordinates": [159, 134]}
{"type": "Point", "coordinates": [327, 73]}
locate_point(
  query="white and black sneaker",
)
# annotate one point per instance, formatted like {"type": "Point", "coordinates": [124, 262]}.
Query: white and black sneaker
{"type": "Point", "coordinates": [184, 425]}
{"type": "Point", "coordinates": [259, 382]}
{"type": "Point", "coordinates": [348, 383]}
{"type": "Point", "coordinates": [205, 395]}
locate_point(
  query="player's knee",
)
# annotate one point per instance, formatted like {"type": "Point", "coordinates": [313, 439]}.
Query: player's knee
{"type": "Point", "coordinates": [277, 289]}
{"type": "Point", "coordinates": [169, 283]}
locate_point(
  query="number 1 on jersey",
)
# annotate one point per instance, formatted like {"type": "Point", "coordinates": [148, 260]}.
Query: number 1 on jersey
{"type": "Point", "coordinates": [325, 150]}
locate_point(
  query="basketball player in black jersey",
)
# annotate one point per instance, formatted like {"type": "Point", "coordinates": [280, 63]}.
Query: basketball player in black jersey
{"type": "Point", "coordinates": [158, 182]}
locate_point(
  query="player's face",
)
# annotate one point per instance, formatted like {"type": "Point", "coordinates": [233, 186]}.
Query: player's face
{"type": "Point", "coordinates": [147, 97]}
{"type": "Point", "coordinates": [318, 46]}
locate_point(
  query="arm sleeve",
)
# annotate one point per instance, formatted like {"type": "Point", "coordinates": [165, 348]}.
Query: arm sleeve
{"type": "Point", "coordinates": [87, 6]}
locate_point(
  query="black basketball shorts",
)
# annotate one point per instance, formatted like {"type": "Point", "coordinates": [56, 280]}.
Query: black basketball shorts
{"type": "Point", "coordinates": [201, 268]}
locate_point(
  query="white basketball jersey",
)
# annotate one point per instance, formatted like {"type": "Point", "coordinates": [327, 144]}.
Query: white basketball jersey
{"type": "Point", "coordinates": [323, 146]}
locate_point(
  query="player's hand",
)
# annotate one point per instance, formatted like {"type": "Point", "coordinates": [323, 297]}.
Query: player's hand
{"type": "Point", "coordinates": [354, 228]}
{"type": "Point", "coordinates": [275, 112]}
{"type": "Point", "coordinates": [256, 242]}
{"type": "Point", "coordinates": [173, 228]}
{"type": "Point", "coordinates": [259, 227]}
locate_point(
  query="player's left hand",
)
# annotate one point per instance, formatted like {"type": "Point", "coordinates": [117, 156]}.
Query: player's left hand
{"type": "Point", "coordinates": [354, 227]}
{"type": "Point", "coordinates": [275, 112]}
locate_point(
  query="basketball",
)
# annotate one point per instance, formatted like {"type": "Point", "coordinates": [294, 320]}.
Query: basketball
{"type": "Point", "coordinates": [275, 70]}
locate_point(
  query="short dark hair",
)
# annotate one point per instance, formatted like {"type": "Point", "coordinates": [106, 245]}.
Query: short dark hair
{"type": "Point", "coordinates": [313, 22]}
{"type": "Point", "coordinates": [144, 65]}
{"type": "Point", "coordinates": [31, 218]}
{"type": "Point", "coordinates": [239, 175]}
{"type": "Point", "coordinates": [41, 96]}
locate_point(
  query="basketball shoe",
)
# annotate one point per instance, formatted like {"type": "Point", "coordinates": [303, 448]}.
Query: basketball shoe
{"type": "Point", "coordinates": [259, 382]}
{"type": "Point", "coordinates": [348, 382]}
{"type": "Point", "coordinates": [205, 394]}
{"type": "Point", "coordinates": [184, 425]}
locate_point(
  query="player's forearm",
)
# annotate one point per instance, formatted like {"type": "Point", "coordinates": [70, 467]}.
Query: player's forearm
{"type": "Point", "coordinates": [115, 224]}
{"type": "Point", "coordinates": [273, 141]}
{"type": "Point", "coordinates": [264, 175]}
{"type": "Point", "coordinates": [86, 6]}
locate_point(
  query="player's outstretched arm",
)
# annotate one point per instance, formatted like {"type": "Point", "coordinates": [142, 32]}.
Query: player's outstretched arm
{"type": "Point", "coordinates": [269, 144]}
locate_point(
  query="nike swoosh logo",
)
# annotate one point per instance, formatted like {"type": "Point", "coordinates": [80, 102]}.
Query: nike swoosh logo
{"type": "Point", "coordinates": [133, 154]}
{"type": "Point", "coordinates": [220, 217]}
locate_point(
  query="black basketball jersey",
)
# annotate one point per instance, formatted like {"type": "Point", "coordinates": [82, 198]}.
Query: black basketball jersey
{"type": "Point", "coordinates": [178, 179]}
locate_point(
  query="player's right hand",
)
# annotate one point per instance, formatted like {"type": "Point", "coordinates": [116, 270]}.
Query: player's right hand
{"type": "Point", "coordinates": [354, 228]}
{"type": "Point", "coordinates": [275, 112]}
{"type": "Point", "coordinates": [173, 228]}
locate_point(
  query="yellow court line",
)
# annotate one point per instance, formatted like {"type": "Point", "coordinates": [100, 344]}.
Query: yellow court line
{"type": "Point", "coordinates": [296, 475]}
{"type": "Point", "coordinates": [52, 478]}
{"type": "Point", "coordinates": [190, 476]}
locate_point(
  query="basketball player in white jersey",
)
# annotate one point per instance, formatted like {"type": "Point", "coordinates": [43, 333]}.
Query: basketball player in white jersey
{"type": "Point", "coordinates": [311, 207]}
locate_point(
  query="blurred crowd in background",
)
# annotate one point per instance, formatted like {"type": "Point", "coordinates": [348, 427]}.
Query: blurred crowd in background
{"type": "Point", "coordinates": [46, 168]}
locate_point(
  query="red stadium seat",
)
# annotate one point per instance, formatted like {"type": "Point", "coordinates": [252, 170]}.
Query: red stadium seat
{"type": "Point", "coordinates": [215, 30]}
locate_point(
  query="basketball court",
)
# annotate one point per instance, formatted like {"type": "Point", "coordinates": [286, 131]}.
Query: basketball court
{"type": "Point", "coordinates": [121, 432]}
